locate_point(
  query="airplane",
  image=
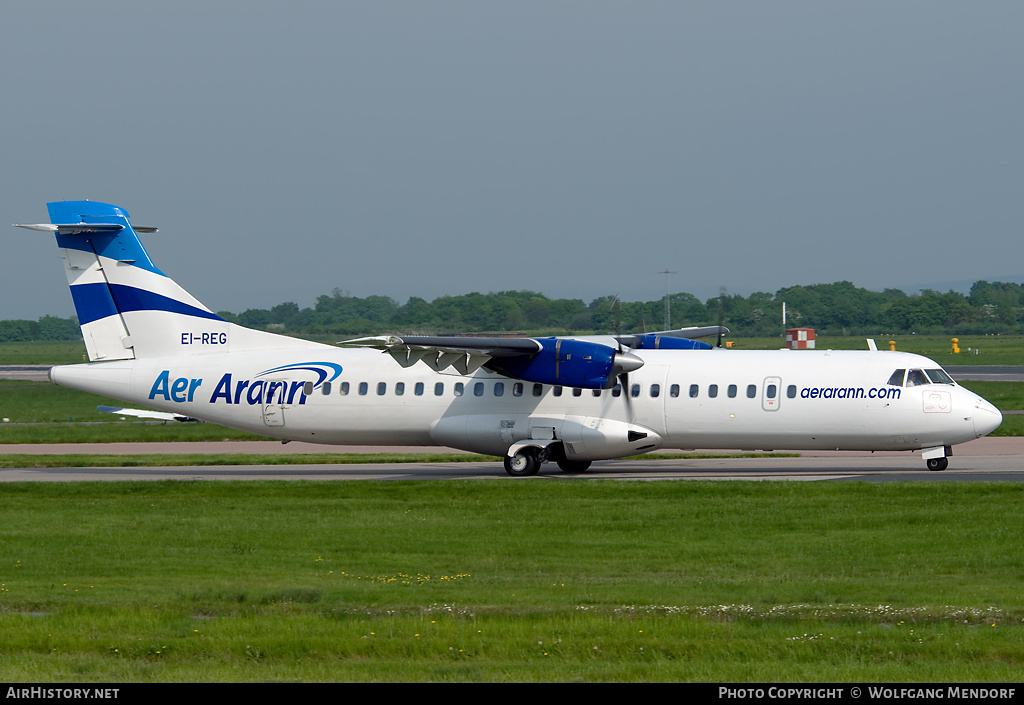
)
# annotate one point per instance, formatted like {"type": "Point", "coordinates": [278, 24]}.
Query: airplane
{"type": "Point", "coordinates": [570, 400]}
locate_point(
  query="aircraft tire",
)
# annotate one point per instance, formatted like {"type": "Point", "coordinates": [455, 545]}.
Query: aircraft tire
{"type": "Point", "coordinates": [938, 464]}
{"type": "Point", "coordinates": [525, 463]}
{"type": "Point", "coordinates": [573, 466]}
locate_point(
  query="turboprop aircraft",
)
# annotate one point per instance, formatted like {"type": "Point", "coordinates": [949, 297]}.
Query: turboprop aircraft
{"type": "Point", "coordinates": [571, 400]}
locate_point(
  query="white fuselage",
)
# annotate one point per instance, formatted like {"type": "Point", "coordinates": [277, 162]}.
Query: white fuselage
{"type": "Point", "coordinates": [684, 399]}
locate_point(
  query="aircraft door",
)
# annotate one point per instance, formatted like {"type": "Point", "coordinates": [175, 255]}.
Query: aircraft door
{"type": "Point", "coordinates": [273, 402]}
{"type": "Point", "coordinates": [771, 393]}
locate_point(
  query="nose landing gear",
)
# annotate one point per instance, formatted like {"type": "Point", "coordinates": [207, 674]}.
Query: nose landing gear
{"type": "Point", "coordinates": [936, 459]}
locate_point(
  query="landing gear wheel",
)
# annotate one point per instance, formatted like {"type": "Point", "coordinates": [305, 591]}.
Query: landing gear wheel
{"type": "Point", "coordinates": [523, 464]}
{"type": "Point", "coordinates": [938, 464]}
{"type": "Point", "coordinates": [573, 466]}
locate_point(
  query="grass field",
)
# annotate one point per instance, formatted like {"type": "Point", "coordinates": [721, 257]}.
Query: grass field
{"type": "Point", "coordinates": [497, 581]}
{"type": "Point", "coordinates": [974, 350]}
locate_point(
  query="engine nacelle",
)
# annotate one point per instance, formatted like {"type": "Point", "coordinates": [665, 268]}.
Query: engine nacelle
{"type": "Point", "coordinates": [581, 437]}
{"type": "Point", "coordinates": [570, 363]}
{"type": "Point", "coordinates": [595, 438]}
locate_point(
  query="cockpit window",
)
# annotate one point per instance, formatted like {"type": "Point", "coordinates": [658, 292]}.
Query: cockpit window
{"type": "Point", "coordinates": [897, 378]}
{"type": "Point", "coordinates": [916, 378]}
{"type": "Point", "coordinates": [940, 377]}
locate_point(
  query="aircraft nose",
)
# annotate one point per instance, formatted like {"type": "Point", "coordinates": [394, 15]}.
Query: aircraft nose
{"type": "Point", "coordinates": [986, 417]}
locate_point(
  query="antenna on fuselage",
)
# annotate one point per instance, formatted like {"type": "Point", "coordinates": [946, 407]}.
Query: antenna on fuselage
{"type": "Point", "coordinates": [721, 314]}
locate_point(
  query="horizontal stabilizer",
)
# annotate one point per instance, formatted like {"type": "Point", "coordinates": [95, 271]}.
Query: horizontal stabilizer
{"type": "Point", "coordinates": [147, 414]}
{"type": "Point", "coordinates": [76, 228]}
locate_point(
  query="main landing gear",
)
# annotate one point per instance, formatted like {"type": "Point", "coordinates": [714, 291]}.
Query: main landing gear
{"type": "Point", "coordinates": [937, 464]}
{"type": "Point", "coordinates": [527, 461]}
{"type": "Point", "coordinates": [524, 463]}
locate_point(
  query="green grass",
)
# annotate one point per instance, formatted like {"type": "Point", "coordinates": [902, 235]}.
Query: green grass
{"type": "Point", "coordinates": [41, 412]}
{"type": "Point", "coordinates": [495, 581]}
{"type": "Point", "coordinates": [121, 432]}
{"type": "Point", "coordinates": [992, 349]}
{"type": "Point", "coordinates": [1004, 395]}
{"type": "Point", "coordinates": [57, 352]}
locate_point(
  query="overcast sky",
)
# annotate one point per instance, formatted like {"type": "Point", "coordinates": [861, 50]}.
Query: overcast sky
{"type": "Point", "coordinates": [426, 148]}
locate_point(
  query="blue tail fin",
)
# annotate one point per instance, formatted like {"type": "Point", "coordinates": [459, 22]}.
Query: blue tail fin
{"type": "Point", "coordinates": [126, 306]}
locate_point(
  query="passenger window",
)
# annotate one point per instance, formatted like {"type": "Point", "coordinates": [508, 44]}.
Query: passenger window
{"type": "Point", "coordinates": [673, 391]}
{"type": "Point", "coordinates": [363, 388]}
{"type": "Point", "coordinates": [459, 389]}
{"type": "Point", "coordinates": [791, 391]}
{"type": "Point", "coordinates": [694, 391]}
{"type": "Point", "coordinates": [635, 390]}
{"type": "Point", "coordinates": [655, 390]}
{"type": "Point", "coordinates": [399, 388]}
{"type": "Point", "coordinates": [538, 389]}
{"type": "Point", "coordinates": [897, 378]}
{"type": "Point", "coordinates": [916, 378]}
{"type": "Point", "coordinates": [617, 390]}
{"type": "Point", "coordinates": [770, 391]}
{"type": "Point", "coordinates": [751, 391]}
{"type": "Point", "coordinates": [713, 390]}
{"type": "Point", "coordinates": [326, 388]}
{"type": "Point", "coordinates": [499, 389]}
{"type": "Point", "coordinates": [478, 389]}
{"type": "Point", "coordinates": [343, 388]}
{"type": "Point", "coordinates": [576, 391]}
{"type": "Point", "coordinates": [517, 389]}
{"type": "Point", "coordinates": [418, 389]}
{"type": "Point", "coordinates": [307, 388]}
{"type": "Point", "coordinates": [597, 392]}
{"type": "Point", "coordinates": [556, 390]}
{"type": "Point", "coordinates": [732, 391]}
{"type": "Point", "coordinates": [438, 389]}
{"type": "Point", "coordinates": [382, 388]}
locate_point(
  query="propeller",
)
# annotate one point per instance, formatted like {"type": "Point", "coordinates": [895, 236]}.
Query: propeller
{"type": "Point", "coordinates": [624, 361]}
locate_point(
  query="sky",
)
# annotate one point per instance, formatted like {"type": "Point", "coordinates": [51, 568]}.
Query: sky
{"type": "Point", "coordinates": [577, 149]}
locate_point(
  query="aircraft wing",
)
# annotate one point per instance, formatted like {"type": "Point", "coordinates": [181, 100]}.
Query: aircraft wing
{"type": "Point", "coordinates": [557, 360]}
{"type": "Point", "coordinates": [146, 414]}
{"type": "Point", "coordinates": [692, 333]}
{"type": "Point", "coordinates": [465, 354]}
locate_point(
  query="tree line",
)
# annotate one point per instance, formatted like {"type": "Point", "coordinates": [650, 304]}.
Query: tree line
{"type": "Point", "coordinates": [832, 309]}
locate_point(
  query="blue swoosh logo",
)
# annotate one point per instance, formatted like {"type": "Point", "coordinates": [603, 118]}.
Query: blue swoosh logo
{"type": "Point", "coordinates": [317, 367]}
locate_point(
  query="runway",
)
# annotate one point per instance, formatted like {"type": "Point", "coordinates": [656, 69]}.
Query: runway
{"type": "Point", "coordinates": [986, 459]}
